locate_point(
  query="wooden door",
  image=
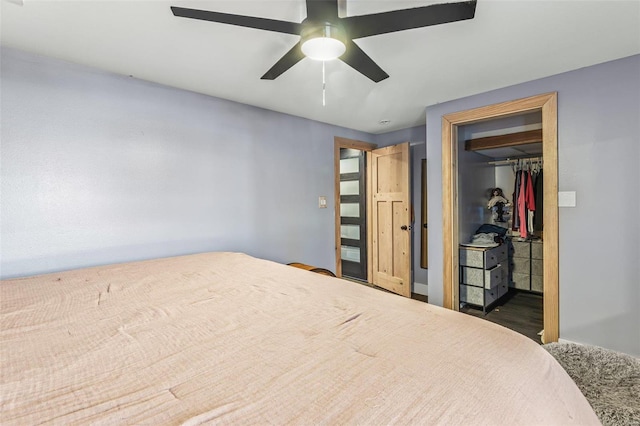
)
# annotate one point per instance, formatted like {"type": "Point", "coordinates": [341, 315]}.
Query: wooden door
{"type": "Point", "coordinates": [391, 218]}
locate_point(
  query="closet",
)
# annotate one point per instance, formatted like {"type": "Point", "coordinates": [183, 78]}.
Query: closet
{"type": "Point", "coordinates": [527, 251]}
{"type": "Point", "coordinates": [525, 223]}
{"type": "Point", "coordinates": [500, 205]}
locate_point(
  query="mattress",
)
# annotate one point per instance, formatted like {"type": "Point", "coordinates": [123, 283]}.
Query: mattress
{"type": "Point", "coordinates": [226, 338]}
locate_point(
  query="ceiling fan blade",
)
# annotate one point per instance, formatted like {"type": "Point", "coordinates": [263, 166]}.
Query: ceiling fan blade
{"type": "Point", "coordinates": [289, 59]}
{"type": "Point", "coordinates": [239, 20]}
{"type": "Point", "coordinates": [342, 8]}
{"type": "Point", "coordinates": [322, 10]}
{"type": "Point", "coordinates": [361, 62]}
{"type": "Point", "coordinates": [405, 19]}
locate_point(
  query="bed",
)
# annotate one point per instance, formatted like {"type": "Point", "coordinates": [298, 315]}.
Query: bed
{"type": "Point", "coordinates": [229, 338]}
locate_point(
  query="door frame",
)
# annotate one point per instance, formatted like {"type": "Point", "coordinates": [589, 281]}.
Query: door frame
{"type": "Point", "coordinates": [548, 105]}
{"type": "Point", "coordinates": [339, 143]}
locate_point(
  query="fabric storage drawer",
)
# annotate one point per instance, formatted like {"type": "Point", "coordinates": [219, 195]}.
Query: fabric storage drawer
{"type": "Point", "coordinates": [480, 258]}
{"type": "Point", "coordinates": [481, 277]}
{"type": "Point", "coordinates": [537, 283]}
{"type": "Point", "coordinates": [536, 250]}
{"type": "Point", "coordinates": [521, 249]}
{"type": "Point", "coordinates": [502, 252]}
{"type": "Point", "coordinates": [521, 265]}
{"type": "Point", "coordinates": [473, 295]}
{"type": "Point", "coordinates": [505, 274]}
{"type": "Point", "coordinates": [537, 267]}
{"type": "Point", "coordinates": [503, 288]}
{"type": "Point", "coordinates": [522, 281]}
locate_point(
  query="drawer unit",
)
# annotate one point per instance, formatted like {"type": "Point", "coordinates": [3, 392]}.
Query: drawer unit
{"type": "Point", "coordinates": [527, 265]}
{"type": "Point", "coordinates": [484, 274]}
{"type": "Point", "coordinates": [537, 266]}
{"type": "Point", "coordinates": [481, 277]}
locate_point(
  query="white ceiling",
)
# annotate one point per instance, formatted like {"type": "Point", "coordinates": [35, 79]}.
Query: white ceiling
{"type": "Point", "coordinates": [508, 42]}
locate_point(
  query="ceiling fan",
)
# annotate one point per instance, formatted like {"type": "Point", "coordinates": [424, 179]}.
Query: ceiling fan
{"type": "Point", "coordinates": [325, 36]}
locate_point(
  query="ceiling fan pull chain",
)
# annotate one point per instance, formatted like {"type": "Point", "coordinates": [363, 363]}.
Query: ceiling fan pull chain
{"type": "Point", "coordinates": [324, 101]}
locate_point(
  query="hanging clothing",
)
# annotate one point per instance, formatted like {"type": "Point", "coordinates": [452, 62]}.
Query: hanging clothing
{"type": "Point", "coordinates": [516, 193]}
{"type": "Point", "coordinates": [526, 202]}
{"type": "Point", "coordinates": [538, 186]}
{"type": "Point", "coordinates": [522, 218]}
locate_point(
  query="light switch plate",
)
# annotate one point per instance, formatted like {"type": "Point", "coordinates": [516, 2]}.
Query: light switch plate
{"type": "Point", "coordinates": [322, 202]}
{"type": "Point", "coordinates": [566, 198]}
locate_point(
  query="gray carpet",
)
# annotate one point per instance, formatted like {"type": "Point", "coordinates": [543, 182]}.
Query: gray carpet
{"type": "Point", "coordinates": [609, 380]}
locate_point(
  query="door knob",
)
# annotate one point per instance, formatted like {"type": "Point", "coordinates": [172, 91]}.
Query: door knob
{"type": "Point", "coordinates": [404, 227]}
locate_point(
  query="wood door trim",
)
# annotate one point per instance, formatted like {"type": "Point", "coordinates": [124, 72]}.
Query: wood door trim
{"type": "Point", "coordinates": [424, 230]}
{"type": "Point", "coordinates": [338, 143]}
{"type": "Point", "coordinates": [547, 103]}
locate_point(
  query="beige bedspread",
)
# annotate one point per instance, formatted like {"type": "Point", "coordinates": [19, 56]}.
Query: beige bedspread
{"type": "Point", "coordinates": [227, 338]}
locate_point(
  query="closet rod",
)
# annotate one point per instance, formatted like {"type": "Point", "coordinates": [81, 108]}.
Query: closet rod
{"type": "Point", "coordinates": [515, 161]}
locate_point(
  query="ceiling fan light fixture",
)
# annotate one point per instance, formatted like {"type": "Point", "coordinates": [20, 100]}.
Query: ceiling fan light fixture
{"type": "Point", "coordinates": [325, 34]}
{"type": "Point", "coordinates": [323, 43]}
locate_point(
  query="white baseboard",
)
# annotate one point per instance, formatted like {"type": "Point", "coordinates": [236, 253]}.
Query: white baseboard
{"type": "Point", "coordinates": [421, 288]}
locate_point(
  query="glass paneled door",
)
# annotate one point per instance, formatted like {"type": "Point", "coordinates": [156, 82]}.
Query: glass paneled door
{"type": "Point", "coordinates": [353, 213]}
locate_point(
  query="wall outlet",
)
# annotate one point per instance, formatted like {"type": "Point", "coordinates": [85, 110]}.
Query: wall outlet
{"type": "Point", "coordinates": [322, 202]}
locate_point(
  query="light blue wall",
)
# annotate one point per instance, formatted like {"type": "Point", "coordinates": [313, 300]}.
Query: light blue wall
{"type": "Point", "coordinates": [416, 136]}
{"type": "Point", "coordinates": [98, 168]}
{"type": "Point", "coordinates": [476, 178]}
{"type": "Point", "coordinates": [598, 157]}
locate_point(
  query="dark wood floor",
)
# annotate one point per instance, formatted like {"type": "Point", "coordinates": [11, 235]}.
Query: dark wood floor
{"type": "Point", "coordinates": [520, 311]}
{"type": "Point", "coordinates": [420, 297]}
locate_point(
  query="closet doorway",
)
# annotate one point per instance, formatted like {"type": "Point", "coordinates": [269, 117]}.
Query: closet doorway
{"type": "Point", "coordinates": [500, 208]}
{"type": "Point", "coordinates": [546, 105]}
